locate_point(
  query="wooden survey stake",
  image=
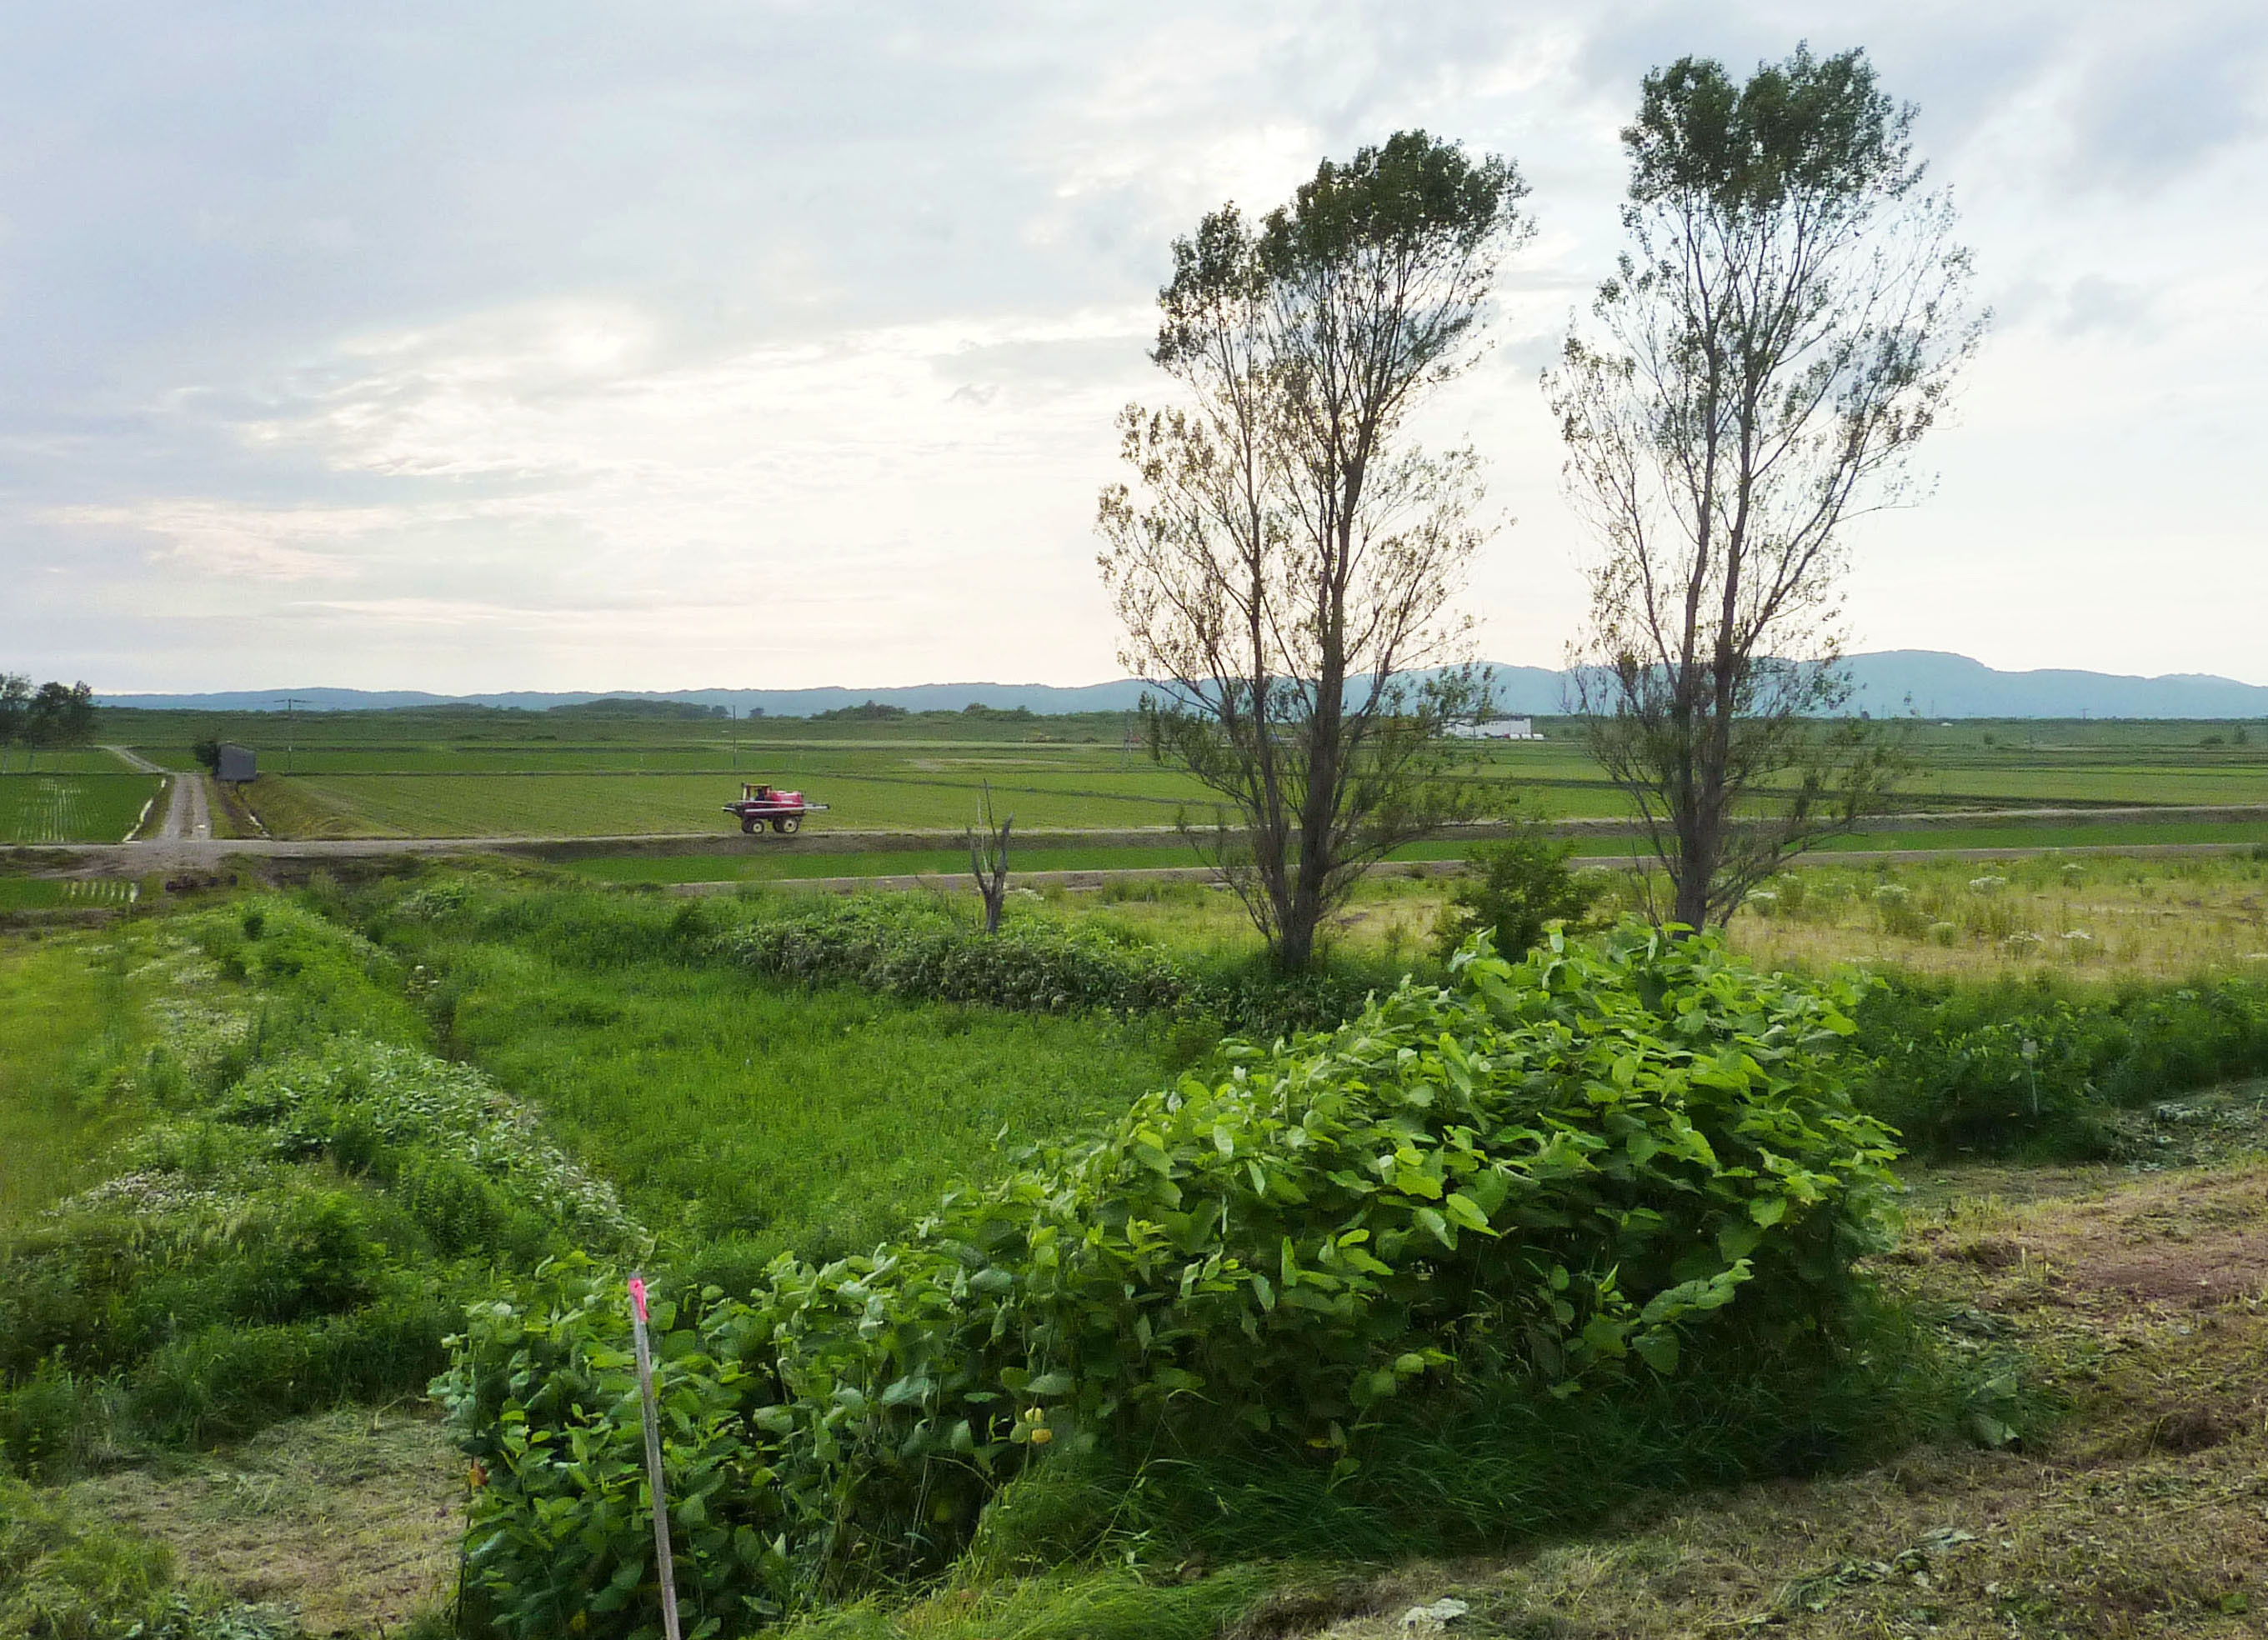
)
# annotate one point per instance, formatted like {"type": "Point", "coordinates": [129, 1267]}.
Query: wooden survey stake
{"type": "Point", "coordinates": [663, 1564]}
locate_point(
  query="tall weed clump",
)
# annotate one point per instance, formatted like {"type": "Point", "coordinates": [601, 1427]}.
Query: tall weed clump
{"type": "Point", "coordinates": [1557, 1181]}
{"type": "Point", "coordinates": [903, 948]}
{"type": "Point", "coordinates": [2036, 1065]}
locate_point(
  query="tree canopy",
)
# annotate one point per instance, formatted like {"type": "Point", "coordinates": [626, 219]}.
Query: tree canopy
{"type": "Point", "coordinates": [1284, 555]}
{"type": "Point", "coordinates": [1786, 324]}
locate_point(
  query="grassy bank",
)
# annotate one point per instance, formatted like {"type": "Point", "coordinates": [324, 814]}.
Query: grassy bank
{"type": "Point", "coordinates": [290, 1084]}
{"type": "Point", "coordinates": [60, 1004]}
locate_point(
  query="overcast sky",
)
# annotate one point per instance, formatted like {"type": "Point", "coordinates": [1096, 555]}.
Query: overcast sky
{"type": "Point", "coordinates": [584, 346]}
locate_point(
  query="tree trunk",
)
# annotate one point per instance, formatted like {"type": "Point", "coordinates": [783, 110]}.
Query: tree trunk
{"type": "Point", "coordinates": [988, 862]}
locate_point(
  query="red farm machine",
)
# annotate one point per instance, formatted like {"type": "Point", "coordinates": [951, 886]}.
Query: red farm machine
{"type": "Point", "coordinates": [762, 805]}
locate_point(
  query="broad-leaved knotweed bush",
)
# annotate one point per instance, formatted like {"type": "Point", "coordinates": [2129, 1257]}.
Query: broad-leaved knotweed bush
{"type": "Point", "coordinates": [1604, 1161]}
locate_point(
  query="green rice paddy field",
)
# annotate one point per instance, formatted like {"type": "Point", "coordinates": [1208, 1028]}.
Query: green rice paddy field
{"type": "Point", "coordinates": [478, 773]}
{"type": "Point", "coordinates": [65, 807]}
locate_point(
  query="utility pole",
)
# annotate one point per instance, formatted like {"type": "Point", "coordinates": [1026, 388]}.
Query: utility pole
{"type": "Point", "coordinates": [287, 702]}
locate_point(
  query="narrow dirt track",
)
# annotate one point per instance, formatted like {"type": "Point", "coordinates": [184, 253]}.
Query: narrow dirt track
{"type": "Point", "coordinates": [188, 812]}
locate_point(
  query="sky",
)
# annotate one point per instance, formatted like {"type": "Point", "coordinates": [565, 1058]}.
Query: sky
{"type": "Point", "coordinates": [579, 346]}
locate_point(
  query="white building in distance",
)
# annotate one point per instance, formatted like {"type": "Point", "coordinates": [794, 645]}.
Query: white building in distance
{"type": "Point", "coordinates": [1498, 729]}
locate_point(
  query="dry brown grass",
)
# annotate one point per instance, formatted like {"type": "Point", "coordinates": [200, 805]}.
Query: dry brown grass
{"type": "Point", "coordinates": [2143, 1513]}
{"type": "Point", "coordinates": [351, 1517]}
{"type": "Point", "coordinates": [2105, 917]}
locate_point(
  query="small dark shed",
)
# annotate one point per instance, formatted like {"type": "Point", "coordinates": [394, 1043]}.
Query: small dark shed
{"type": "Point", "coordinates": [236, 764]}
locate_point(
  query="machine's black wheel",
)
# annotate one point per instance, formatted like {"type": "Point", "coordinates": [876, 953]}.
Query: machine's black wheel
{"type": "Point", "coordinates": [788, 825]}
{"type": "Point", "coordinates": [749, 827]}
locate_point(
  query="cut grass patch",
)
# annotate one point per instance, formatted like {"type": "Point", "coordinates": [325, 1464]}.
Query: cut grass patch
{"type": "Point", "coordinates": [349, 1519]}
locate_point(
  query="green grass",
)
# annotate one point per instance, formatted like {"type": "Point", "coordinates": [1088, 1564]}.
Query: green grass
{"type": "Point", "coordinates": [725, 1108]}
{"type": "Point", "coordinates": [765, 1117]}
{"type": "Point", "coordinates": [72, 808]}
{"type": "Point", "coordinates": [763, 862]}
{"type": "Point", "coordinates": [2107, 836]}
{"type": "Point", "coordinates": [758, 864]}
{"type": "Point", "coordinates": [586, 805]}
{"type": "Point", "coordinates": [57, 1002]}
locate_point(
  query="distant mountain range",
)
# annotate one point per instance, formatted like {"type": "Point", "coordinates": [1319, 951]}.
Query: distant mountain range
{"type": "Point", "coordinates": [1938, 685]}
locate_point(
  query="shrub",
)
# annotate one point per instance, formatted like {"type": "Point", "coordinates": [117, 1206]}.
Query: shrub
{"type": "Point", "coordinates": [1514, 890]}
{"type": "Point", "coordinates": [1554, 1178]}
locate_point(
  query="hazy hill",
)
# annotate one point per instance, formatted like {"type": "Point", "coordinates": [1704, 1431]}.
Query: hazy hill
{"type": "Point", "coordinates": [1938, 684]}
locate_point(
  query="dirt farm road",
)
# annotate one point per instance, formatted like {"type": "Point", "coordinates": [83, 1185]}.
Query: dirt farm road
{"type": "Point", "coordinates": [188, 811]}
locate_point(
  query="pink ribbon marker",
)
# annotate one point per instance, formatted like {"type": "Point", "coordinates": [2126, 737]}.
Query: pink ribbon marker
{"type": "Point", "coordinates": [637, 1295]}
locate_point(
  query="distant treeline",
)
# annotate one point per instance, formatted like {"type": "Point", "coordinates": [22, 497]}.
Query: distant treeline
{"type": "Point", "coordinates": [876, 712]}
{"type": "Point", "coordinates": [52, 714]}
{"type": "Point", "coordinates": [617, 706]}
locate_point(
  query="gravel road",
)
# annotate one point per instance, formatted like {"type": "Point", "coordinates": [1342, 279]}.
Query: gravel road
{"type": "Point", "coordinates": [188, 811]}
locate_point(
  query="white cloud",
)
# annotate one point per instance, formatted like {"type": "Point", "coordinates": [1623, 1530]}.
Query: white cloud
{"type": "Point", "coordinates": [232, 542]}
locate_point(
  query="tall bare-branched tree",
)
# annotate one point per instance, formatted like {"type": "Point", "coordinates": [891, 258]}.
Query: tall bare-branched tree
{"type": "Point", "coordinates": [988, 859]}
{"type": "Point", "coordinates": [1784, 327]}
{"type": "Point", "coordinates": [1286, 556]}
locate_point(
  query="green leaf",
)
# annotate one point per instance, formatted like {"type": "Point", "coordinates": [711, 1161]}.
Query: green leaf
{"type": "Point", "coordinates": [1657, 1349]}
{"type": "Point", "coordinates": [1465, 1211]}
{"type": "Point", "coordinates": [1737, 1241]}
